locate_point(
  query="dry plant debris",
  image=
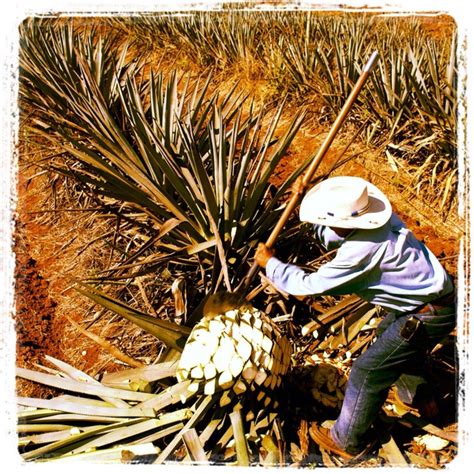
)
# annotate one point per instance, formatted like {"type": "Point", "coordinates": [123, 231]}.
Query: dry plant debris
{"type": "Point", "coordinates": [232, 425]}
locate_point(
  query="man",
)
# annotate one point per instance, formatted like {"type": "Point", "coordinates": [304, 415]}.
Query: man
{"type": "Point", "coordinates": [382, 262]}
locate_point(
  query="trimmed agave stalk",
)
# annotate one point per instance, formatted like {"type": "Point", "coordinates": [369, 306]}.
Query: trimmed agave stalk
{"type": "Point", "coordinates": [241, 350]}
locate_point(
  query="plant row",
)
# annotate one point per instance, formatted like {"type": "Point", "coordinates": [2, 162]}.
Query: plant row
{"type": "Point", "coordinates": [410, 104]}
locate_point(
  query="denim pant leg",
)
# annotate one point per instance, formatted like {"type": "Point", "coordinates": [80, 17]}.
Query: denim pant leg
{"type": "Point", "coordinates": [377, 369]}
{"type": "Point", "coordinates": [408, 383]}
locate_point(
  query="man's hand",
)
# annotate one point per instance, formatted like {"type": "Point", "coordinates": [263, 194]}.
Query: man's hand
{"type": "Point", "coordinates": [263, 254]}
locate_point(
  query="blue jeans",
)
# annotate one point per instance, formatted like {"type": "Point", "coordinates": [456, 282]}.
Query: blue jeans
{"type": "Point", "coordinates": [380, 366]}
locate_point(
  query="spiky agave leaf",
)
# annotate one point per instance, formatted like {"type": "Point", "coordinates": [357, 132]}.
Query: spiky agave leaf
{"type": "Point", "coordinates": [173, 335]}
{"type": "Point", "coordinates": [169, 154]}
{"type": "Point", "coordinates": [413, 97]}
{"type": "Point", "coordinates": [51, 64]}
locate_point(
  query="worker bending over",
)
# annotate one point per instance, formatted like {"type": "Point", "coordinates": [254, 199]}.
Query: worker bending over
{"type": "Point", "coordinates": [382, 262]}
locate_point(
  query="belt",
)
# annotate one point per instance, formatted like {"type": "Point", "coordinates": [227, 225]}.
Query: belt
{"type": "Point", "coordinates": [439, 303]}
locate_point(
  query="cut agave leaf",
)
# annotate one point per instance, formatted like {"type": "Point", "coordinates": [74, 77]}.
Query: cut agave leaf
{"type": "Point", "coordinates": [133, 431]}
{"type": "Point", "coordinates": [161, 433]}
{"type": "Point", "coordinates": [86, 409]}
{"type": "Point", "coordinates": [96, 389]}
{"type": "Point", "coordinates": [53, 436]}
{"type": "Point", "coordinates": [42, 428]}
{"type": "Point", "coordinates": [80, 376]}
{"type": "Point", "coordinates": [73, 440]}
{"type": "Point", "coordinates": [239, 436]}
{"type": "Point", "coordinates": [115, 455]}
{"type": "Point", "coordinates": [194, 446]}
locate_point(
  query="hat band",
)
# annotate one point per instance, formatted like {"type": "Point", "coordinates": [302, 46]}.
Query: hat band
{"type": "Point", "coordinates": [353, 214]}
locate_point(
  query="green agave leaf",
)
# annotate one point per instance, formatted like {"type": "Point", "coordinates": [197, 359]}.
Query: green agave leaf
{"type": "Point", "coordinates": [159, 152]}
{"type": "Point", "coordinates": [80, 376]}
{"type": "Point", "coordinates": [52, 436]}
{"type": "Point", "coordinates": [173, 335]}
{"type": "Point", "coordinates": [130, 431]}
{"type": "Point", "coordinates": [84, 401]}
{"type": "Point", "coordinates": [73, 440]}
{"type": "Point", "coordinates": [130, 186]}
{"type": "Point", "coordinates": [160, 434]}
{"type": "Point", "coordinates": [50, 60]}
{"type": "Point", "coordinates": [26, 414]}
{"type": "Point", "coordinates": [85, 409]}
{"type": "Point", "coordinates": [74, 417]}
{"type": "Point", "coordinates": [43, 428]}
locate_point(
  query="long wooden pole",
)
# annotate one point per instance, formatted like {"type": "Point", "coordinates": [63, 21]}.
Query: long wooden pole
{"type": "Point", "coordinates": [308, 176]}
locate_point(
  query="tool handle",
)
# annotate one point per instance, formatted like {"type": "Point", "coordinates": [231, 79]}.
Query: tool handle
{"type": "Point", "coordinates": [308, 176]}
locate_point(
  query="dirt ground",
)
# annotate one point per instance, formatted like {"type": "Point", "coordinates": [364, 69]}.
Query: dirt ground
{"type": "Point", "coordinates": [49, 256]}
{"type": "Point", "coordinates": [38, 330]}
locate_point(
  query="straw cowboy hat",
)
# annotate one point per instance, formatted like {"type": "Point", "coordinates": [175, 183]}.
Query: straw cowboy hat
{"type": "Point", "coordinates": [348, 202]}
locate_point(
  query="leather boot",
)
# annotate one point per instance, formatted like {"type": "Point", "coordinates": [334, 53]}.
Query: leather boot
{"type": "Point", "coordinates": [322, 437]}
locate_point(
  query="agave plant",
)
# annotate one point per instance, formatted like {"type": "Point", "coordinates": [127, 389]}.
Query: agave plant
{"type": "Point", "coordinates": [194, 166]}
{"type": "Point", "coordinates": [413, 88]}
{"type": "Point", "coordinates": [52, 59]}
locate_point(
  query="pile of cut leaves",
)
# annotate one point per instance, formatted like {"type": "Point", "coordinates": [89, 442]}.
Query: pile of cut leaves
{"type": "Point", "coordinates": [145, 415]}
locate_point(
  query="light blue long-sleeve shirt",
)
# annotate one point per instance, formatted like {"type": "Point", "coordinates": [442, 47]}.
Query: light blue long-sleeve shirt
{"type": "Point", "coordinates": [387, 266]}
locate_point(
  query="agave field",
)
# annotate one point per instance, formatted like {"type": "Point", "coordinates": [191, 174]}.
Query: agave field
{"type": "Point", "coordinates": [163, 147]}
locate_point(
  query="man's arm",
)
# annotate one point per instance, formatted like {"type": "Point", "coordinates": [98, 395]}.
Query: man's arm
{"type": "Point", "coordinates": [340, 276]}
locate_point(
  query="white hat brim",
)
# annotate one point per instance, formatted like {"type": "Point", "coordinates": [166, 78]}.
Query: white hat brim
{"type": "Point", "coordinates": [314, 210]}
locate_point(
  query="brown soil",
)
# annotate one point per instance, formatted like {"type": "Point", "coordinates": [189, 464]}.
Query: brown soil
{"type": "Point", "coordinates": [39, 331]}
{"type": "Point", "coordinates": [46, 262]}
